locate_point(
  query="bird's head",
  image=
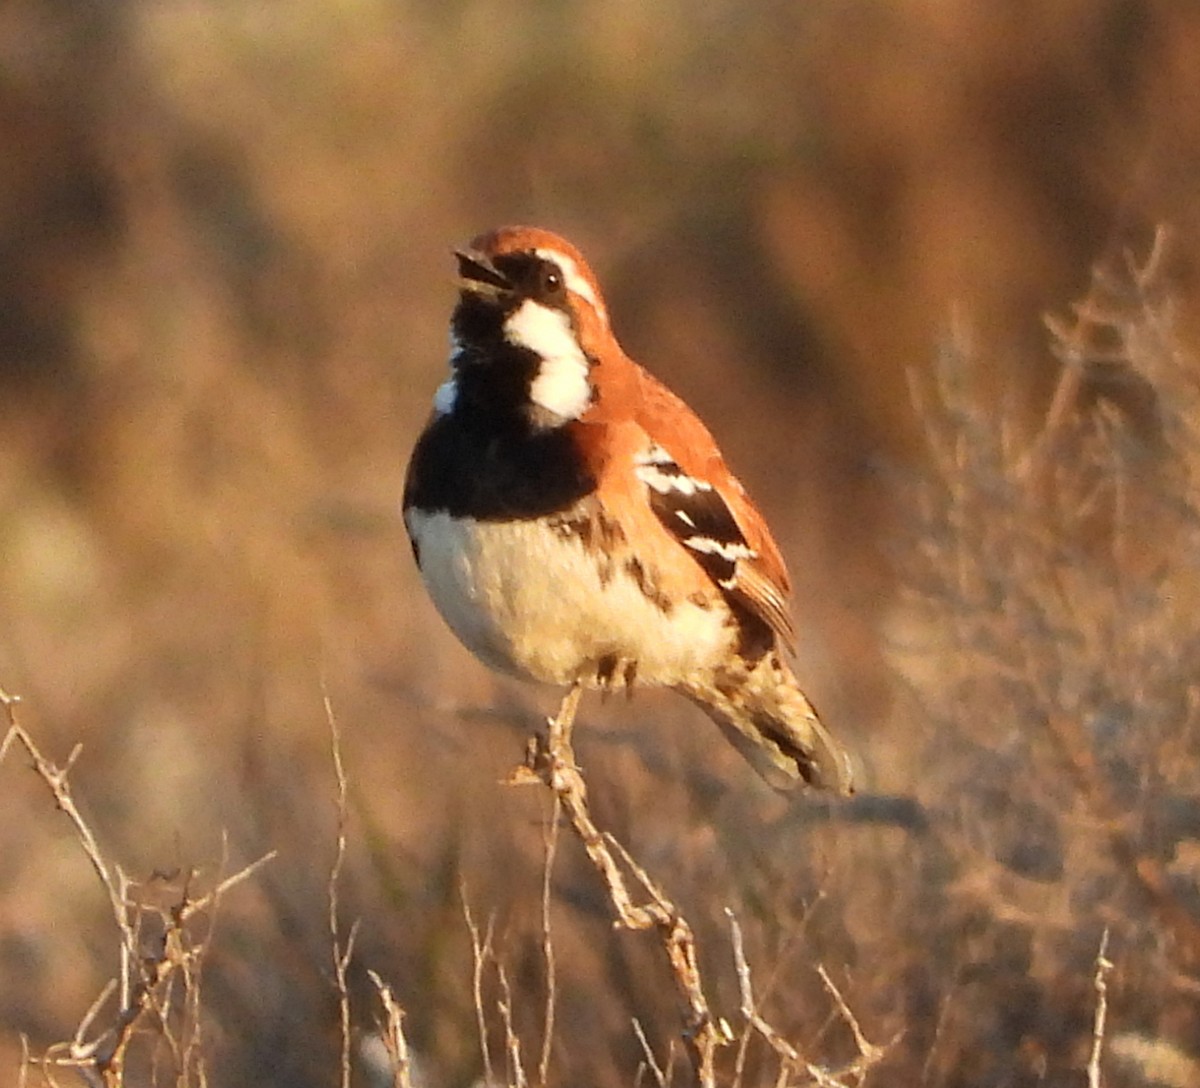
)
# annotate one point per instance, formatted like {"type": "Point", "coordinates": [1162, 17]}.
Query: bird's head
{"type": "Point", "coordinates": [529, 325]}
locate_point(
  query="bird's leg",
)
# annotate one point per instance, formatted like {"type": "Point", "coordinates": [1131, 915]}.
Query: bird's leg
{"type": "Point", "coordinates": [559, 752]}
{"type": "Point", "coordinates": [551, 753]}
{"type": "Point", "coordinates": [561, 724]}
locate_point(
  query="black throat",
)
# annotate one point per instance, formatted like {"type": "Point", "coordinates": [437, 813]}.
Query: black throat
{"type": "Point", "coordinates": [488, 458]}
{"type": "Point", "coordinates": [492, 376]}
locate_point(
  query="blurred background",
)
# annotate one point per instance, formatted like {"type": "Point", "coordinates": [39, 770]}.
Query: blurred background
{"type": "Point", "coordinates": [225, 277]}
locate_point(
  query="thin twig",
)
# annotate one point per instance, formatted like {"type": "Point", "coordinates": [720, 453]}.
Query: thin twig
{"type": "Point", "coordinates": [342, 953]}
{"type": "Point", "coordinates": [869, 1051]}
{"type": "Point", "coordinates": [480, 953]}
{"type": "Point", "coordinates": [788, 1054]}
{"type": "Point", "coordinates": [193, 960]}
{"type": "Point", "coordinates": [1147, 273]}
{"type": "Point", "coordinates": [195, 906]}
{"type": "Point", "coordinates": [89, 1017]}
{"type": "Point", "coordinates": [23, 1071]}
{"type": "Point", "coordinates": [790, 1058]}
{"type": "Point", "coordinates": [512, 1042]}
{"type": "Point", "coordinates": [393, 1034]}
{"type": "Point", "coordinates": [551, 838]}
{"type": "Point", "coordinates": [1100, 985]}
{"type": "Point", "coordinates": [651, 1062]}
{"type": "Point", "coordinates": [10, 704]}
{"type": "Point", "coordinates": [113, 879]}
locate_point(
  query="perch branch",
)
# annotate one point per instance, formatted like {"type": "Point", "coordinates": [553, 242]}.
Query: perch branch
{"type": "Point", "coordinates": [550, 759]}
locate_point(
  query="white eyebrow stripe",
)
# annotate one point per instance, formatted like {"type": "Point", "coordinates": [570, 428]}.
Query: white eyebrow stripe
{"type": "Point", "coordinates": [575, 279]}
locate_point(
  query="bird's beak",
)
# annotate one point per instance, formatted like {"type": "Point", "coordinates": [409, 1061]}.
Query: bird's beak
{"type": "Point", "coordinates": [477, 273]}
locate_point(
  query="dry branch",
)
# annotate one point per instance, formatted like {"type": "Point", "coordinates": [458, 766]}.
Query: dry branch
{"type": "Point", "coordinates": [790, 1059]}
{"type": "Point", "coordinates": [550, 759]}
{"type": "Point", "coordinates": [146, 983]}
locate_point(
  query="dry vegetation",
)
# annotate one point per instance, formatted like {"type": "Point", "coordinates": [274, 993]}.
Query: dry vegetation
{"type": "Point", "coordinates": [1051, 589]}
{"type": "Point", "coordinates": [836, 227]}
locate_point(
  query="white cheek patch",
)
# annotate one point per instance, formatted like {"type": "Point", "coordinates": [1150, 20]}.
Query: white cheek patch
{"type": "Point", "coordinates": [561, 386]}
{"type": "Point", "coordinates": [574, 279]}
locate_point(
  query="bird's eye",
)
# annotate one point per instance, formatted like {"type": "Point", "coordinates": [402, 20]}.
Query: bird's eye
{"type": "Point", "coordinates": [552, 281]}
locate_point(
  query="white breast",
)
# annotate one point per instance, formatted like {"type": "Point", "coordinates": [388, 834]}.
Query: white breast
{"type": "Point", "coordinates": [528, 601]}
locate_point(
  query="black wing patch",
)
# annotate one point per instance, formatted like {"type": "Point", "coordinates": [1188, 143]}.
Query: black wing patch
{"type": "Point", "coordinates": [694, 512]}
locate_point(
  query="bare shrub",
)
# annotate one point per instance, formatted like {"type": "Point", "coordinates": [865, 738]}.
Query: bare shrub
{"type": "Point", "coordinates": [1050, 648]}
{"type": "Point", "coordinates": [149, 1016]}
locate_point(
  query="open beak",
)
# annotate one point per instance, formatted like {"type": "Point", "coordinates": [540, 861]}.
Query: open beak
{"type": "Point", "coordinates": [477, 273]}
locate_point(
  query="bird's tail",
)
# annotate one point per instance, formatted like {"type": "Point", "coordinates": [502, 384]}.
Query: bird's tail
{"type": "Point", "coordinates": [762, 711]}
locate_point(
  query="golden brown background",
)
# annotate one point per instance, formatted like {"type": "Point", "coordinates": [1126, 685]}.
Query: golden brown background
{"type": "Point", "coordinates": [224, 283]}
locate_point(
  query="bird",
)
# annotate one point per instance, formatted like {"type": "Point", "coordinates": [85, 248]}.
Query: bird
{"type": "Point", "coordinates": [575, 523]}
